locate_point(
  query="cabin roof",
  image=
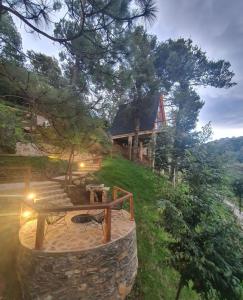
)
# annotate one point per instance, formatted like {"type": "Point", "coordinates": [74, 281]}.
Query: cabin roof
{"type": "Point", "coordinates": [124, 122]}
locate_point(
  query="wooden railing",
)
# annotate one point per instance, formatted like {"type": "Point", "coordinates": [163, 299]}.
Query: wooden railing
{"type": "Point", "coordinates": [119, 196]}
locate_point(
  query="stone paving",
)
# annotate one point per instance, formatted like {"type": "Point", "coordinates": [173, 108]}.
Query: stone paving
{"type": "Point", "coordinates": [68, 236]}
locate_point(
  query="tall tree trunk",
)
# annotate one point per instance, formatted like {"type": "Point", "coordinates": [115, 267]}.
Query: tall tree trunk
{"type": "Point", "coordinates": [69, 166]}
{"type": "Point", "coordinates": [173, 170]}
{"type": "Point", "coordinates": [175, 157]}
{"type": "Point", "coordinates": [178, 145]}
{"type": "Point", "coordinates": [71, 170]}
{"type": "Point", "coordinates": [173, 176]}
{"type": "Point", "coordinates": [136, 139]}
{"type": "Point", "coordinates": [75, 70]}
{"type": "Point", "coordinates": [180, 286]}
{"type": "Point", "coordinates": [153, 146]}
{"type": "Point", "coordinates": [137, 103]}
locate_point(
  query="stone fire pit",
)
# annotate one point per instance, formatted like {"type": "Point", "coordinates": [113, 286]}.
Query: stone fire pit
{"type": "Point", "coordinates": [75, 263]}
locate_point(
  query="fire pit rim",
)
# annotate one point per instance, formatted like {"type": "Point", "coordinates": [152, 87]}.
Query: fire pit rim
{"type": "Point", "coordinates": [81, 218]}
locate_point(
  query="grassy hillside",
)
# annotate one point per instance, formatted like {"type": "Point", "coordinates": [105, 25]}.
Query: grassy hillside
{"type": "Point", "coordinates": [42, 167]}
{"type": "Point", "coordinates": [231, 152]}
{"type": "Point", "coordinates": [231, 149]}
{"type": "Point", "coordinates": [156, 280]}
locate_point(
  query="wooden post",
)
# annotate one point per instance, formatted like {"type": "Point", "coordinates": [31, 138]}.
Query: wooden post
{"type": "Point", "coordinates": [153, 146]}
{"type": "Point", "coordinates": [107, 220]}
{"type": "Point", "coordinates": [92, 196]}
{"type": "Point", "coordinates": [104, 196]}
{"type": "Point", "coordinates": [130, 147]}
{"type": "Point", "coordinates": [112, 146]}
{"type": "Point", "coordinates": [71, 170]}
{"type": "Point", "coordinates": [141, 151]}
{"type": "Point", "coordinates": [114, 194]}
{"type": "Point", "coordinates": [174, 177]}
{"type": "Point", "coordinates": [131, 208]}
{"type": "Point", "coordinates": [40, 231]}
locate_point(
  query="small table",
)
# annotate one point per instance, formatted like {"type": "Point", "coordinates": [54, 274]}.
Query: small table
{"type": "Point", "coordinates": [93, 189]}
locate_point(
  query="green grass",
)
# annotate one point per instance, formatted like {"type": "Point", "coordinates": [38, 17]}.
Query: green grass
{"type": "Point", "coordinates": [156, 279]}
{"type": "Point", "coordinates": [14, 106]}
{"type": "Point", "coordinates": [42, 166]}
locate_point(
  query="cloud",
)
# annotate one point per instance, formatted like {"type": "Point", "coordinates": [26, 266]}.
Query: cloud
{"type": "Point", "coordinates": [36, 42]}
{"type": "Point", "coordinates": [217, 27]}
{"type": "Point", "coordinates": [225, 112]}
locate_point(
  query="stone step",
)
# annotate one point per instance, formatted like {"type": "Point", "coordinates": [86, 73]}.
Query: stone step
{"type": "Point", "coordinates": [50, 192]}
{"type": "Point", "coordinates": [52, 197]}
{"type": "Point", "coordinates": [43, 183]}
{"type": "Point", "coordinates": [55, 205]}
{"type": "Point", "coordinates": [77, 174]}
{"type": "Point", "coordinates": [85, 170]}
{"type": "Point", "coordinates": [46, 187]}
{"type": "Point", "coordinates": [90, 167]}
{"type": "Point", "coordinates": [62, 178]}
{"type": "Point", "coordinates": [58, 201]}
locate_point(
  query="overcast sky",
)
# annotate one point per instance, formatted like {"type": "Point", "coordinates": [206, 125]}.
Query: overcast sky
{"type": "Point", "coordinates": [217, 27]}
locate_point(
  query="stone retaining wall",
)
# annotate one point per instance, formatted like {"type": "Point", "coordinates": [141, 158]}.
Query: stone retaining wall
{"type": "Point", "coordinates": [103, 273]}
{"type": "Point", "coordinates": [28, 150]}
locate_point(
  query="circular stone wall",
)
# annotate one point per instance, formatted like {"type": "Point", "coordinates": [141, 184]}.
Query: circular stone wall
{"type": "Point", "coordinates": [105, 272]}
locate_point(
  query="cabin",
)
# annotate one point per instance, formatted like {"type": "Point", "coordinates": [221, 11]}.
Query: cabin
{"type": "Point", "coordinates": [152, 120]}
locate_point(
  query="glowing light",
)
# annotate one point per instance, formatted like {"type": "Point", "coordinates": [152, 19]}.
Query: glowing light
{"type": "Point", "coordinates": [52, 157]}
{"type": "Point", "coordinates": [81, 165]}
{"type": "Point", "coordinates": [26, 214]}
{"type": "Point", "coordinates": [31, 196]}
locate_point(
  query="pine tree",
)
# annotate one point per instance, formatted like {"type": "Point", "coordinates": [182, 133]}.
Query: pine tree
{"type": "Point", "coordinates": [182, 66]}
{"type": "Point", "coordinates": [10, 41]}
{"type": "Point", "coordinates": [142, 82]}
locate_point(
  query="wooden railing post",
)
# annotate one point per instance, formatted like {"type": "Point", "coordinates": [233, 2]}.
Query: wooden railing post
{"type": "Point", "coordinates": [107, 220]}
{"type": "Point", "coordinates": [131, 207]}
{"type": "Point", "coordinates": [130, 147]}
{"type": "Point", "coordinates": [40, 231]}
{"type": "Point", "coordinates": [114, 193]}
